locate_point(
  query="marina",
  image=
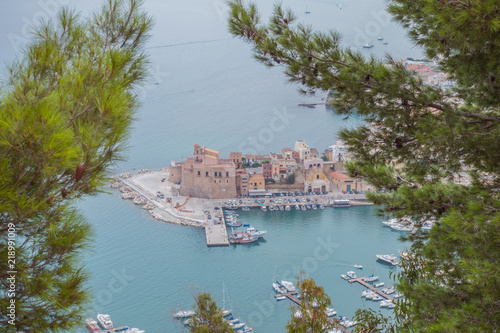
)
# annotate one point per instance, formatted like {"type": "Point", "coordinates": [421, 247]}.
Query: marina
{"type": "Point", "coordinates": [370, 287]}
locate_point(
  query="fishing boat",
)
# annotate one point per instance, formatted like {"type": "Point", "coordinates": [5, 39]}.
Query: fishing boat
{"type": "Point", "coordinates": [271, 208]}
{"type": "Point", "coordinates": [242, 238]}
{"type": "Point", "coordinates": [352, 275]}
{"type": "Point", "coordinates": [297, 207]}
{"type": "Point", "coordinates": [288, 285]}
{"type": "Point", "coordinates": [313, 206]}
{"type": "Point", "coordinates": [263, 208]}
{"type": "Point", "coordinates": [308, 206]}
{"type": "Point", "coordinates": [287, 208]}
{"type": "Point", "coordinates": [321, 206]}
{"type": "Point", "coordinates": [92, 324]}
{"type": "Point", "coordinates": [389, 259]}
{"type": "Point", "coordinates": [358, 266]}
{"type": "Point", "coordinates": [245, 209]}
{"type": "Point", "coordinates": [183, 314]}
{"type": "Point", "coordinates": [303, 207]}
{"type": "Point", "coordinates": [234, 223]}
{"type": "Point", "coordinates": [105, 321]}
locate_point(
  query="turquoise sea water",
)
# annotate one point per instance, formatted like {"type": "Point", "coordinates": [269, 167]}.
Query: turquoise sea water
{"type": "Point", "coordinates": [212, 92]}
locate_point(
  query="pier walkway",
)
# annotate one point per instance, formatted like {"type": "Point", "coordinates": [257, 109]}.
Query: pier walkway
{"type": "Point", "coordinates": [216, 234]}
{"type": "Point", "coordinates": [369, 286]}
{"type": "Point", "coordinates": [334, 321]}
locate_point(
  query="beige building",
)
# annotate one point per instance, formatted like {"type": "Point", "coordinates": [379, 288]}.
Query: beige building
{"type": "Point", "coordinates": [302, 149]}
{"type": "Point", "coordinates": [241, 182]}
{"type": "Point", "coordinates": [347, 184]}
{"type": "Point", "coordinates": [205, 175]}
{"type": "Point", "coordinates": [256, 182]}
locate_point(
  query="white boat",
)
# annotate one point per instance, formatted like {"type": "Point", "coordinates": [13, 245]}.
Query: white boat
{"type": "Point", "coordinates": [388, 290]}
{"type": "Point", "coordinates": [391, 306]}
{"type": "Point", "coordinates": [377, 298]}
{"type": "Point", "coordinates": [386, 303]}
{"type": "Point", "coordinates": [352, 275]}
{"type": "Point", "coordinates": [330, 312]}
{"type": "Point", "coordinates": [263, 208]}
{"type": "Point", "coordinates": [345, 277]}
{"type": "Point", "coordinates": [371, 295]}
{"type": "Point", "coordinates": [297, 207]}
{"type": "Point", "coordinates": [380, 284]}
{"type": "Point", "coordinates": [321, 206]}
{"type": "Point", "coordinates": [385, 43]}
{"type": "Point", "coordinates": [254, 232]}
{"type": "Point", "coordinates": [390, 222]}
{"type": "Point", "coordinates": [398, 295]}
{"type": "Point", "coordinates": [105, 321]}
{"type": "Point", "coordinates": [287, 208]}
{"type": "Point", "coordinates": [183, 314]}
{"type": "Point", "coordinates": [280, 289]}
{"type": "Point", "coordinates": [92, 324]}
{"type": "Point", "coordinates": [380, 38]}
{"type": "Point", "coordinates": [368, 45]}
{"type": "Point", "coordinates": [280, 297]}
{"type": "Point", "coordinates": [388, 259]}
{"type": "Point", "coordinates": [350, 324]}
{"type": "Point", "coordinates": [288, 285]}
{"type": "Point", "coordinates": [371, 278]}
{"type": "Point", "coordinates": [235, 326]}
{"type": "Point", "coordinates": [358, 266]}
{"type": "Point", "coordinates": [232, 320]}
{"type": "Point", "coordinates": [271, 208]}
{"type": "Point", "coordinates": [281, 207]}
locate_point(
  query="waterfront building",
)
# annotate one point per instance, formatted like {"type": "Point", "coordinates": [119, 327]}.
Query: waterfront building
{"type": "Point", "coordinates": [267, 170]}
{"type": "Point", "coordinates": [347, 184]}
{"type": "Point", "coordinates": [313, 163]}
{"type": "Point", "coordinates": [302, 149]}
{"type": "Point", "coordinates": [339, 152]}
{"type": "Point", "coordinates": [242, 182]}
{"type": "Point", "coordinates": [236, 158]}
{"type": "Point", "coordinates": [314, 177]}
{"type": "Point", "coordinates": [205, 175]}
{"type": "Point", "coordinates": [256, 182]}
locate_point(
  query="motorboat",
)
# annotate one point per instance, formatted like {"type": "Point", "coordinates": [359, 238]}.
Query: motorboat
{"type": "Point", "coordinates": [279, 288]}
{"type": "Point", "coordinates": [105, 321]}
{"type": "Point", "coordinates": [390, 222]}
{"type": "Point", "coordinates": [297, 207]}
{"type": "Point", "coordinates": [330, 312]}
{"type": "Point", "coordinates": [380, 284]}
{"type": "Point", "coordinates": [358, 266]}
{"type": "Point", "coordinates": [282, 207]}
{"type": "Point", "coordinates": [352, 275]}
{"type": "Point", "coordinates": [380, 38]}
{"type": "Point", "coordinates": [321, 206]}
{"type": "Point", "coordinates": [377, 298]}
{"type": "Point", "coordinates": [242, 238]}
{"type": "Point", "coordinates": [371, 278]}
{"type": "Point", "coordinates": [282, 288]}
{"type": "Point", "coordinates": [276, 208]}
{"type": "Point", "coordinates": [303, 207]}
{"type": "Point", "coordinates": [397, 295]}
{"type": "Point", "coordinates": [92, 324]}
{"type": "Point", "coordinates": [280, 297]}
{"type": "Point", "coordinates": [234, 223]}
{"type": "Point", "coordinates": [182, 314]}
{"type": "Point", "coordinates": [235, 326]}
{"type": "Point", "coordinates": [313, 206]}
{"type": "Point", "coordinates": [271, 208]}
{"type": "Point", "coordinates": [368, 45]}
{"type": "Point", "coordinates": [263, 208]}
{"type": "Point", "coordinates": [308, 206]}
{"type": "Point", "coordinates": [388, 290]}
{"type": "Point", "coordinates": [288, 285]}
{"type": "Point", "coordinates": [371, 295]}
{"type": "Point", "coordinates": [254, 232]}
{"type": "Point", "coordinates": [231, 320]}
{"type": "Point", "coordinates": [287, 208]}
{"type": "Point", "coordinates": [386, 303]}
{"type": "Point", "coordinates": [345, 277]}
{"type": "Point", "coordinates": [389, 259]}
{"type": "Point", "coordinates": [385, 43]}
{"type": "Point", "coordinates": [245, 209]}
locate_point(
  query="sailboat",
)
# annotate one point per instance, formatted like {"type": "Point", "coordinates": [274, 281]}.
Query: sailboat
{"type": "Point", "coordinates": [224, 311]}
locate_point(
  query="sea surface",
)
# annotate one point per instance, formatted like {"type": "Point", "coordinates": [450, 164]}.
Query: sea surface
{"type": "Point", "coordinates": [209, 90]}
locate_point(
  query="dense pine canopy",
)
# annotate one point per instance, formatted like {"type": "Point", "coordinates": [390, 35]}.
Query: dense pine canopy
{"type": "Point", "coordinates": [417, 141]}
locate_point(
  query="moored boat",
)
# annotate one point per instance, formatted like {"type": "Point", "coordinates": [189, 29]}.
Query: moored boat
{"type": "Point", "coordinates": [321, 206]}
{"type": "Point", "coordinates": [92, 324]}
{"type": "Point", "coordinates": [371, 278]}
{"type": "Point", "coordinates": [288, 285]}
{"type": "Point", "coordinates": [330, 312]}
{"type": "Point", "coordinates": [345, 277]}
{"type": "Point", "coordinates": [380, 284]}
{"type": "Point", "coordinates": [297, 207]}
{"type": "Point", "coordinates": [358, 266]}
{"type": "Point", "coordinates": [184, 314]}
{"type": "Point", "coordinates": [303, 207]}
{"type": "Point", "coordinates": [254, 232]}
{"type": "Point", "coordinates": [263, 208]}
{"type": "Point", "coordinates": [389, 259]}
{"type": "Point", "coordinates": [313, 206]}
{"type": "Point", "coordinates": [105, 321]}
{"type": "Point", "coordinates": [352, 275]}
{"type": "Point", "coordinates": [287, 208]}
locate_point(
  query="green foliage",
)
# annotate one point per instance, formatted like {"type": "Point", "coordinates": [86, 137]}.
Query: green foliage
{"type": "Point", "coordinates": [256, 165]}
{"type": "Point", "coordinates": [270, 181]}
{"type": "Point", "coordinates": [290, 179]}
{"type": "Point", "coordinates": [265, 162]}
{"type": "Point", "coordinates": [417, 142]}
{"type": "Point", "coordinates": [324, 158]}
{"type": "Point", "coordinates": [64, 116]}
{"type": "Point", "coordinates": [208, 317]}
{"type": "Point", "coordinates": [310, 315]}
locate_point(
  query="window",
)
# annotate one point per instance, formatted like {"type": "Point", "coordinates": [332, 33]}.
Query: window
{"type": "Point", "coordinates": [199, 172]}
{"type": "Point", "coordinates": [227, 174]}
{"type": "Point", "coordinates": [206, 174]}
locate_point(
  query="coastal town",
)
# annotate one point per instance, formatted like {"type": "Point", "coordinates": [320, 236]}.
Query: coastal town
{"type": "Point", "coordinates": [193, 192]}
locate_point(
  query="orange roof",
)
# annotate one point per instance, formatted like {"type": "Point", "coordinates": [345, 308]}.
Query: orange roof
{"type": "Point", "coordinates": [338, 175]}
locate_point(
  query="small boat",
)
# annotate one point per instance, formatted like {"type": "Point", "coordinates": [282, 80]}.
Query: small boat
{"type": "Point", "coordinates": [271, 208]}
{"type": "Point", "coordinates": [297, 207]}
{"type": "Point", "coordinates": [385, 43]}
{"type": "Point", "coordinates": [263, 208]}
{"type": "Point", "coordinates": [188, 322]}
{"type": "Point", "coordinates": [352, 275]}
{"type": "Point", "coordinates": [287, 208]}
{"type": "Point", "coordinates": [232, 207]}
{"type": "Point", "coordinates": [282, 207]}
{"type": "Point", "coordinates": [280, 297]}
{"type": "Point", "coordinates": [380, 284]}
{"type": "Point", "coordinates": [288, 285]}
{"type": "Point", "coordinates": [184, 314]}
{"type": "Point", "coordinates": [365, 293]}
{"type": "Point", "coordinates": [303, 207]}
{"type": "Point", "coordinates": [389, 290]}
{"type": "Point", "coordinates": [377, 298]}
{"type": "Point", "coordinates": [386, 303]}
{"type": "Point", "coordinates": [389, 259]}
{"type": "Point", "coordinates": [345, 277]}
{"type": "Point", "coordinates": [358, 266]}
{"type": "Point", "coordinates": [380, 38]}
{"type": "Point", "coordinates": [276, 208]}
{"type": "Point", "coordinates": [391, 306]}
{"type": "Point", "coordinates": [231, 320]}
{"type": "Point", "coordinates": [234, 223]}
{"type": "Point", "coordinates": [279, 288]}
{"type": "Point", "coordinates": [398, 295]}
{"type": "Point", "coordinates": [330, 312]}
{"type": "Point", "coordinates": [370, 295]}
{"type": "Point", "coordinates": [246, 224]}
{"type": "Point", "coordinates": [371, 278]}
{"type": "Point", "coordinates": [313, 206]}
{"type": "Point", "coordinates": [321, 206]}
{"type": "Point", "coordinates": [92, 324]}
{"type": "Point", "coordinates": [245, 209]}
{"type": "Point", "coordinates": [242, 238]}
{"type": "Point", "coordinates": [254, 232]}
{"type": "Point", "coordinates": [308, 206]}
{"type": "Point", "coordinates": [106, 322]}
{"type": "Point", "coordinates": [368, 45]}
{"type": "Point", "coordinates": [235, 326]}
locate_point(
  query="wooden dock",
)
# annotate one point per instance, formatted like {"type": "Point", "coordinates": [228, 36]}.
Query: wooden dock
{"type": "Point", "coordinates": [334, 321]}
{"type": "Point", "coordinates": [369, 286]}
